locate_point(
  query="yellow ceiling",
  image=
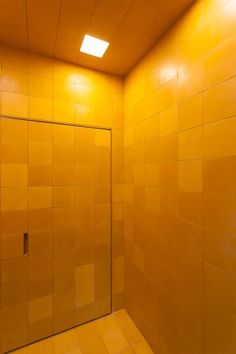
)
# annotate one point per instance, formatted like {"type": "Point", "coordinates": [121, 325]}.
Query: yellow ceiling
{"type": "Point", "coordinates": [56, 28]}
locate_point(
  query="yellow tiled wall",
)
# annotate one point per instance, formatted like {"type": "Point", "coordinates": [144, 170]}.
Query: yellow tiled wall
{"type": "Point", "coordinates": [38, 87]}
{"type": "Point", "coordinates": [180, 170]}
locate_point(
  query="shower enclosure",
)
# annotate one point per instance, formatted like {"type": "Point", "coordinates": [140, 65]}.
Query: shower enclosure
{"type": "Point", "coordinates": [55, 228]}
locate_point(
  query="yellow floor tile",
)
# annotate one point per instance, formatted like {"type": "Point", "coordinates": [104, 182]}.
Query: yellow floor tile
{"type": "Point", "coordinates": [22, 351]}
{"type": "Point", "coordinates": [121, 317]}
{"type": "Point", "coordinates": [127, 351]}
{"type": "Point", "coordinates": [90, 339]}
{"type": "Point", "coordinates": [74, 351]}
{"type": "Point", "coordinates": [112, 334]}
{"type": "Point", "coordinates": [65, 342]}
{"type": "Point", "coordinates": [45, 346]}
{"type": "Point", "coordinates": [106, 325]}
{"type": "Point", "coordinates": [115, 342]}
{"type": "Point", "coordinates": [142, 348]}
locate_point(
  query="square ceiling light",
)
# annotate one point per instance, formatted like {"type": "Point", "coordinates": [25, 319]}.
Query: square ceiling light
{"type": "Point", "coordinates": [94, 46]}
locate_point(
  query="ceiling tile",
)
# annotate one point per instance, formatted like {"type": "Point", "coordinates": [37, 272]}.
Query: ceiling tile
{"type": "Point", "coordinates": [57, 27]}
{"type": "Point", "coordinates": [88, 4]}
{"type": "Point", "coordinates": [44, 10]}
{"type": "Point", "coordinates": [74, 16]}
{"type": "Point", "coordinates": [102, 27]}
{"type": "Point", "coordinates": [13, 26]}
{"type": "Point", "coordinates": [69, 38]}
{"type": "Point", "coordinates": [126, 37]}
{"type": "Point", "coordinates": [17, 4]}
{"type": "Point", "coordinates": [42, 37]}
{"type": "Point", "coordinates": [112, 9]}
{"type": "Point", "coordinates": [140, 15]}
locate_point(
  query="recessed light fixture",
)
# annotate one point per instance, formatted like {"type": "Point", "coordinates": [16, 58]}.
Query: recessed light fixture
{"type": "Point", "coordinates": [94, 46]}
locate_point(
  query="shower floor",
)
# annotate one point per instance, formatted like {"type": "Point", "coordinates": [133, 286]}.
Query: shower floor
{"type": "Point", "coordinates": [112, 334]}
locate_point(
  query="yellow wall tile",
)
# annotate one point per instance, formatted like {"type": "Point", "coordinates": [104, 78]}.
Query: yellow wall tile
{"type": "Point", "coordinates": [15, 81]}
{"type": "Point", "coordinates": [168, 94]}
{"type": "Point", "coordinates": [63, 134]}
{"type": "Point", "coordinates": [63, 196]}
{"type": "Point", "coordinates": [14, 152]}
{"type": "Point", "coordinates": [40, 308]}
{"type": "Point", "coordinates": [152, 175]}
{"type": "Point", "coordinates": [40, 132]}
{"type": "Point", "coordinates": [84, 136]}
{"type": "Point", "coordinates": [190, 79]}
{"type": "Point", "coordinates": [168, 148]}
{"type": "Point", "coordinates": [191, 207]}
{"type": "Point", "coordinates": [84, 195]}
{"type": "Point", "coordinates": [40, 174]}
{"type": "Point", "coordinates": [14, 130]}
{"type": "Point", "coordinates": [11, 246]}
{"type": "Point", "coordinates": [102, 137]}
{"type": "Point", "coordinates": [14, 175]}
{"type": "Point", "coordinates": [40, 86]}
{"type": "Point", "coordinates": [169, 175]}
{"type": "Point", "coordinates": [219, 138]}
{"type": "Point", "coordinates": [63, 111]}
{"type": "Point", "coordinates": [225, 170]}
{"type": "Point", "coordinates": [168, 121]}
{"type": "Point", "coordinates": [219, 102]}
{"type": "Point", "coordinates": [190, 144]}
{"type": "Point", "coordinates": [40, 197]}
{"type": "Point", "coordinates": [14, 270]}
{"type": "Point", "coordinates": [190, 113]}
{"type": "Point", "coordinates": [84, 285]}
{"type": "Point", "coordinates": [219, 62]}
{"type": "Point", "coordinates": [41, 65]}
{"type": "Point", "coordinates": [15, 59]}
{"type": "Point", "coordinates": [190, 176]}
{"type": "Point", "coordinates": [63, 90]}
{"type": "Point", "coordinates": [14, 104]}
{"type": "Point", "coordinates": [40, 152]}
{"type": "Point", "coordinates": [14, 198]}
{"type": "Point", "coordinates": [40, 108]}
{"type": "Point", "coordinates": [63, 154]}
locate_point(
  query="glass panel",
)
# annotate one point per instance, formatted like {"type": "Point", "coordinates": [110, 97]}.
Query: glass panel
{"type": "Point", "coordinates": [92, 220]}
{"type": "Point", "coordinates": [40, 217]}
{"type": "Point", "coordinates": [14, 268]}
{"type": "Point", "coordinates": [63, 228]}
{"type": "Point", "coordinates": [55, 186]}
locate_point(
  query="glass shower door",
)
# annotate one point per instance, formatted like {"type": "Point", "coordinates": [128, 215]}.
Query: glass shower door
{"type": "Point", "coordinates": [55, 228]}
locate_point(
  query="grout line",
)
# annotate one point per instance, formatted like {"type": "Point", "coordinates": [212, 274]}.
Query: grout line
{"type": "Point", "coordinates": [27, 24]}
{"type": "Point", "coordinates": [111, 226]}
{"type": "Point", "coordinates": [59, 17]}
{"type": "Point", "coordinates": [122, 20]}
{"type": "Point", "coordinates": [203, 220]}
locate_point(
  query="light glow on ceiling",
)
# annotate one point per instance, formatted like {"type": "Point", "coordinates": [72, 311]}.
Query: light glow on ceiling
{"type": "Point", "coordinates": [231, 7]}
{"type": "Point", "coordinates": [94, 46]}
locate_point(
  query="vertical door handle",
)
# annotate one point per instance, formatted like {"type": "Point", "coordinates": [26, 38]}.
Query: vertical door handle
{"type": "Point", "coordinates": [26, 243]}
